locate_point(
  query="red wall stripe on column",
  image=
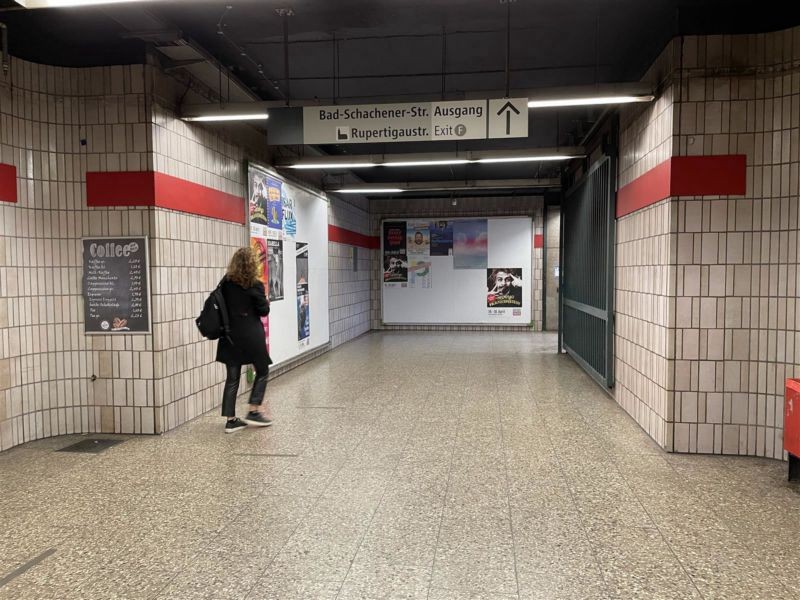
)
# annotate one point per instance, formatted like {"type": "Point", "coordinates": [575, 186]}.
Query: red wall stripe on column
{"type": "Point", "coordinates": [128, 188]}
{"type": "Point", "coordinates": [709, 175]}
{"type": "Point", "coordinates": [538, 240]}
{"type": "Point", "coordinates": [351, 238]}
{"type": "Point", "coordinates": [188, 197]}
{"type": "Point", "coordinates": [146, 188]}
{"type": "Point", "coordinates": [648, 189]}
{"type": "Point", "coordinates": [724, 175]}
{"type": "Point", "coordinates": [8, 183]}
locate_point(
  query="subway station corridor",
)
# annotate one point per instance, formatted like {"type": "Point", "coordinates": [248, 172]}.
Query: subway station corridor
{"type": "Point", "coordinates": [446, 466]}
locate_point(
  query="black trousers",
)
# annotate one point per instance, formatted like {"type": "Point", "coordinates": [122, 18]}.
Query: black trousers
{"type": "Point", "coordinates": [232, 387]}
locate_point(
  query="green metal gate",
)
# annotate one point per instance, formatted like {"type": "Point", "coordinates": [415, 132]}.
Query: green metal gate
{"type": "Point", "coordinates": [587, 271]}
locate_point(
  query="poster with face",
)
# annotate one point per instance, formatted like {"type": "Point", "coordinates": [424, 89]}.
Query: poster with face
{"type": "Point", "coordinates": [303, 315]}
{"type": "Point", "coordinates": [259, 246]}
{"type": "Point", "coordinates": [470, 244]}
{"type": "Point", "coordinates": [441, 238]}
{"type": "Point", "coordinates": [275, 266]}
{"type": "Point", "coordinates": [504, 288]}
{"type": "Point", "coordinates": [418, 241]}
{"type": "Point", "coordinates": [395, 256]}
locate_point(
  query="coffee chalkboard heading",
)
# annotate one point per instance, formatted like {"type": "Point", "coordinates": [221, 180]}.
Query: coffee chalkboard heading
{"type": "Point", "coordinates": [116, 295]}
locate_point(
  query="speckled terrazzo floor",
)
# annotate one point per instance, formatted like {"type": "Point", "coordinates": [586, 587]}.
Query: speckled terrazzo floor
{"type": "Point", "coordinates": [403, 465]}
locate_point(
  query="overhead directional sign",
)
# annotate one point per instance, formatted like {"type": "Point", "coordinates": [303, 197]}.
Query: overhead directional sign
{"type": "Point", "coordinates": [508, 117]}
{"type": "Point", "coordinates": [409, 122]}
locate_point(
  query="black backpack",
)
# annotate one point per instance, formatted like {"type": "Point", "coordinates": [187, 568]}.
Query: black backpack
{"type": "Point", "coordinates": [213, 321]}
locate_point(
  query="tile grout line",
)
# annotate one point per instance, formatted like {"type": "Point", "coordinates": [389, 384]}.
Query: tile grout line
{"type": "Point", "coordinates": [444, 500]}
{"type": "Point", "coordinates": [575, 503]}
{"type": "Point", "coordinates": [508, 488]}
{"type": "Point", "coordinates": [372, 516]}
{"type": "Point", "coordinates": [649, 516]}
{"type": "Point", "coordinates": [25, 567]}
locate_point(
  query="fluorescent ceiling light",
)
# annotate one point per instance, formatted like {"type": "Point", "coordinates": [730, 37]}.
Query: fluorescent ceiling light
{"type": "Point", "coordinates": [369, 191]}
{"type": "Point", "coordinates": [427, 163]}
{"type": "Point", "coordinates": [333, 166]}
{"type": "Point", "coordinates": [517, 159]}
{"type": "Point", "coordinates": [589, 101]}
{"type": "Point", "coordinates": [209, 118]}
{"type": "Point", "coordinates": [430, 163]}
{"type": "Point", "coordinates": [68, 3]}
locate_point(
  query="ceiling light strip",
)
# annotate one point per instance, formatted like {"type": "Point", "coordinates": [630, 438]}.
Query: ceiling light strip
{"type": "Point", "coordinates": [588, 101]}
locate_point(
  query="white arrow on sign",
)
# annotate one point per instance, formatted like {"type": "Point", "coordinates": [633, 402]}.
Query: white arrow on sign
{"type": "Point", "coordinates": [508, 117]}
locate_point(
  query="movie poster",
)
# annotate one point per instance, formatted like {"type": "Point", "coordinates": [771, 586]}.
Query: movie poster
{"type": "Point", "coordinates": [259, 245]}
{"type": "Point", "coordinates": [441, 238]}
{"type": "Point", "coordinates": [504, 288]}
{"type": "Point", "coordinates": [395, 257]}
{"type": "Point", "coordinates": [289, 219]}
{"type": "Point", "coordinates": [303, 316]}
{"type": "Point", "coordinates": [275, 267]}
{"type": "Point", "coordinates": [470, 244]}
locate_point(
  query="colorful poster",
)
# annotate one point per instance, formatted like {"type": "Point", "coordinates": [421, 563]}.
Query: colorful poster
{"type": "Point", "coordinates": [419, 273]}
{"type": "Point", "coordinates": [418, 240]}
{"type": "Point", "coordinates": [257, 192]}
{"type": "Point", "coordinates": [504, 288]}
{"type": "Point", "coordinates": [289, 219]}
{"type": "Point", "coordinates": [275, 265]}
{"type": "Point", "coordinates": [441, 238]}
{"type": "Point", "coordinates": [266, 210]}
{"type": "Point", "coordinates": [259, 246]}
{"type": "Point", "coordinates": [303, 316]}
{"type": "Point", "coordinates": [275, 203]}
{"type": "Point", "coordinates": [470, 244]}
{"type": "Point", "coordinates": [395, 257]}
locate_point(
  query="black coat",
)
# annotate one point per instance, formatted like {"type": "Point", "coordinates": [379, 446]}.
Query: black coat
{"type": "Point", "coordinates": [245, 309]}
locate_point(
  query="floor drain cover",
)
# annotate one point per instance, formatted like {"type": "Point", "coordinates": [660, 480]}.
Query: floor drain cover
{"type": "Point", "coordinates": [92, 445]}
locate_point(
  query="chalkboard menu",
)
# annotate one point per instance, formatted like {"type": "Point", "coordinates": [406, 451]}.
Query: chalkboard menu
{"type": "Point", "coordinates": [115, 287]}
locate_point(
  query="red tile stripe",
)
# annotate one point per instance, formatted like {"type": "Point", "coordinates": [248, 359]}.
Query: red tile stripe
{"type": "Point", "coordinates": [147, 188]}
{"type": "Point", "coordinates": [351, 238]}
{"type": "Point", "coordinates": [8, 183]}
{"type": "Point", "coordinates": [724, 175]}
{"type": "Point", "coordinates": [538, 240]}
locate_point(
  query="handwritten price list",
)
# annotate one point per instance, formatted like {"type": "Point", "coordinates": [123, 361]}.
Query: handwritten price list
{"type": "Point", "coordinates": [116, 298]}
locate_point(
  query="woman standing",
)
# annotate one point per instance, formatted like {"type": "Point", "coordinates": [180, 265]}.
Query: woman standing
{"type": "Point", "coordinates": [246, 303]}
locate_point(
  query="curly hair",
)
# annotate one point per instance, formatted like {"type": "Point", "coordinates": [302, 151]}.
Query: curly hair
{"type": "Point", "coordinates": [243, 268]}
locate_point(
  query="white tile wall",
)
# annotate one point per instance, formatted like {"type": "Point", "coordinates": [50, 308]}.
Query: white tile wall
{"type": "Point", "coordinates": [728, 339]}
{"type": "Point", "coordinates": [55, 124]}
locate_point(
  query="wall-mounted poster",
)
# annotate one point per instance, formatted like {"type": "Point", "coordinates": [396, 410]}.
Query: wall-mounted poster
{"type": "Point", "coordinates": [259, 246]}
{"type": "Point", "coordinates": [395, 256]}
{"type": "Point", "coordinates": [275, 265]}
{"type": "Point", "coordinates": [470, 244]}
{"type": "Point", "coordinates": [504, 288]}
{"type": "Point", "coordinates": [289, 219]}
{"type": "Point", "coordinates": [441, 238]}
{"type": "Point", "coordinates": [116, 296]}
{"type": "Point", "coordinates": [418, 243]}
{"type": "Point", "coordinates": [275, 206]}
{"type": "Point", "coordinates": [418, 240]}
{"type": "Point", "coordinates": [303, 314]}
